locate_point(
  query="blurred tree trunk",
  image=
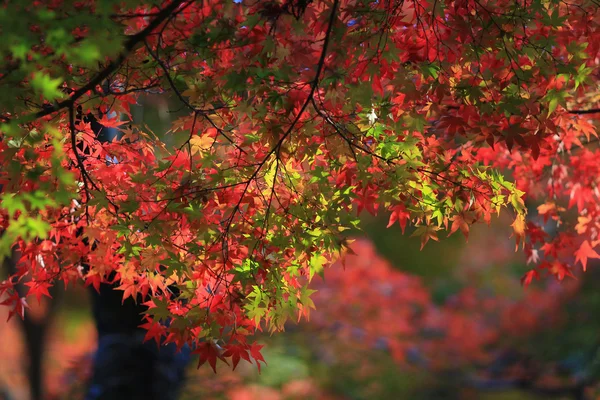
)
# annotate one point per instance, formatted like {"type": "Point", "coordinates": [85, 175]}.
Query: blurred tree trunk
{"type": "Point", "coordinates": [34, 327]}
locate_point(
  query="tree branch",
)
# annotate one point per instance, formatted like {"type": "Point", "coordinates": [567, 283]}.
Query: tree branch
{"type": "Point", "coordinates": [581, 112]}
{"type": "Point", "coordinates": [113, 66]}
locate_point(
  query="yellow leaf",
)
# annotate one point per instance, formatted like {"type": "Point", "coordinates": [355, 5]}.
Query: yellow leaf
{"type": "Point", "coordinates": [201, 143]}
{"type": "Point", "coordinates": [582, 223]}
{"type": "Point", "coordinates": [519, 229]}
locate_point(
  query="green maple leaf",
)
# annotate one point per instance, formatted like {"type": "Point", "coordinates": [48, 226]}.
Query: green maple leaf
{"type": "Point", "coordinates": [46, 86]}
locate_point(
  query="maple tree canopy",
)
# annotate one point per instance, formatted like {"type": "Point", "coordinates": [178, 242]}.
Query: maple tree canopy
{"type": "Point", "coordinates": [295, 117]}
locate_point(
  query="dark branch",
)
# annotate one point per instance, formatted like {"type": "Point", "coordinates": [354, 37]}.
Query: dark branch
{"type": "Point", "coordinates": [204, 113]}
{"type": "Point", "coordinates": [112, 67]}
{"type": "Point", "coordinates": [276, 149]}
{"type": "Point", "coordinates": [581, 112]}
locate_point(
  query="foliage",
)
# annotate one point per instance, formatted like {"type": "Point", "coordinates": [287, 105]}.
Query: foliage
{"type": "Point", "coordinates": [299, 115]}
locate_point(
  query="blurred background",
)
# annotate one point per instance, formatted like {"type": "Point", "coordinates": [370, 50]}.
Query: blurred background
{"type": "Point", "coordinates": [450, 322]}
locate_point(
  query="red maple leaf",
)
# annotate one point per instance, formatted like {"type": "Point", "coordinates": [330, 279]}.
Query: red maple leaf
{"type": "Point", "coordinates": [560, 270]}
{"type": "Point", "coordinates": [155, 331]}
{"type": "Point", "coordinates": [19, 304]}
{"type": "Point", "coordinates": [256, 354]}
{"type": "Point", "coordinates": [399, 214]}
{"type": "Point", "coordinates": [208, 351]}
{"type": "Point", "coordinates": [529, 276]}
{"type": "Point", "coordinates": [367, 199]}
{"type": "Point", "coordinates": [237, 352]}
{"type": "Point", "coordinates": [111, 122]}
{"type": "Point", "coordinates": [38, 289]}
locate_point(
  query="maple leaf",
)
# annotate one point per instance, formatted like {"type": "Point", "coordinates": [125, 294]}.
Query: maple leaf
{"type": "Point", "coordinates": [111, 122]}
{"type": "Point", "coordinates": [129, 289]}
{"type": "Point", "coordinates": [201, 143]}
{"type": "Point", "coordinates": [367, 199]}
{"type": "Point", "coordinates": [151, 258]}
{"type": "Point", "coordinates": [237, 352]}
{"type": "Point", "coordinates": [39, 289]}
{"type": "Point", "coordinates": [584, 252]}
{"type": "Point", "coordinates": [95, 280]}
{"type": "Point", "coordinates": [519, 227]}
{"type": "Point", "coordinates": [306, 303]}
{"type": "Point", "coordinates": [209, 351]}
{"type": "Point", "coordinates": [155, 331]}
{"type": "Point", "coordinates": [458, 222]}
{"type": "Point", "coordinates": [533, 255]}
{"type": "Point", "coordinates": [426, 232]}
{"type": "Point", "coordinates": [529, 276]}
{"type": "Point", "coordinates": [256, 354]}
{"type": "Point", "coordinates": [19, 304]}
{"type": "Point", "coordinates": [376, 85]}
{"type": "Point", "coordinates": [398, 99]}
{"type": "Point", "coordinates": [549, 209]}
{"type": "Point", "coordinates": [215, 303]}
{"type": "Point", "coordinates": [582, 224]}
{"type": "Point", "coordinates": [560, 270]}
{"type": "Point", "coordinates": [400, 215]}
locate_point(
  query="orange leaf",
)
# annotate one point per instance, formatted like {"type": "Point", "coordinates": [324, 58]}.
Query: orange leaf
{"type": "Point", "coordinates": [584, 252]}
{"type": "Point", "coordinates": [560, 270]}
{"type": "Point", "coordinates": [458, 222]}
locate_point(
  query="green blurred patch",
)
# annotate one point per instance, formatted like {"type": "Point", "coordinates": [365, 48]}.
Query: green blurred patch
{"type": "Point", "coordinates": [436, 261]}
